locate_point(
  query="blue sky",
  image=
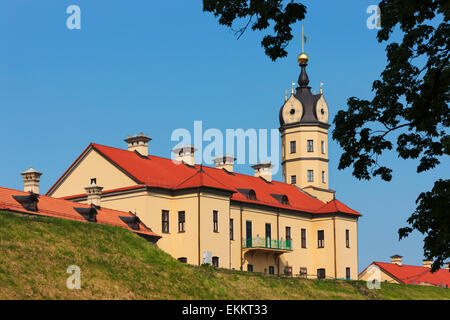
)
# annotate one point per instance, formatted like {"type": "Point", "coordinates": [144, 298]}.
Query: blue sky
{"type": "Point", "coordinates": [155, 66]}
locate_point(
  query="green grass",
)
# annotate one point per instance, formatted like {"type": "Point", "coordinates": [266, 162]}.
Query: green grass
{"type": "Point", "coordinates": [117, 264]}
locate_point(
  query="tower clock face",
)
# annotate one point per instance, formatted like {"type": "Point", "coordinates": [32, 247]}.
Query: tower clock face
{"type": "Point", "coordinates": [322, 110]}
{"type": "Point", "coordinates": [292, 110]}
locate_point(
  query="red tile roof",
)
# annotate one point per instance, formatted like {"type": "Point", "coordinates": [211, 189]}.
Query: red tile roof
{"type": "Point", "coordinates": [58, 208]}
{"type": "Point", "coordinates": [415, 274]}
{"type": "Point", "coordinates": [154, 171]}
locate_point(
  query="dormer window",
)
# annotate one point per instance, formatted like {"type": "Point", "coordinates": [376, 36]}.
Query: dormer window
{"type": "Point", "coordinates": [248, 193]}
{"type": "Point", "coordinates": [28, 202]}
{"type": "Point", "coordinates": [132, 222]}
{"type": "Point", "coordinates": [90, 214]}
{"type": "Point", "coordinates": [94, 181]}
{"type": "Point", "coordinates": [281, 198]}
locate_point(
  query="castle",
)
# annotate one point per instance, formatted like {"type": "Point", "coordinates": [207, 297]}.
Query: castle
{"type": "Point", "coordinates": [231, 220]}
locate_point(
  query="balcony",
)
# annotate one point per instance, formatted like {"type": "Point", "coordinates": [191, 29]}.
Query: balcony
{"type": "Point", "coordinates": [266, 245]}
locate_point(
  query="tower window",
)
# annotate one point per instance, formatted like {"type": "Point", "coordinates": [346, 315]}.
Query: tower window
{"type": "Point", "coordinates": [293, 147]}
{"type": "Point", "coordinates": [322, 147]}
{"type": "Point", "coordinates": [293, 179]}
{"type": "Point", "coordinates": [310, 146]}
{"type": "Point", "coordinates": [310, 175]}
{"type": "Point", "coordinates": [324, 178]}
{"type": "Point", "coordinates": [347, 273]}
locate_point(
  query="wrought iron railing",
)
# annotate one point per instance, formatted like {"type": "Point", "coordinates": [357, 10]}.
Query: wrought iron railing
{"type": "Point", "coordinates": [266, 243]}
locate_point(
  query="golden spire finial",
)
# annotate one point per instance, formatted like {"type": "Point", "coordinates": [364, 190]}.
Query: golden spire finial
{"type": "Point", "coordinates": [303, 57]}
{"type": "Point", "coordinates": [293, 85]}
{"type": "Point", "coordinates": [321, 89]}
{"type": "Point", "coordinates": [285, 96]}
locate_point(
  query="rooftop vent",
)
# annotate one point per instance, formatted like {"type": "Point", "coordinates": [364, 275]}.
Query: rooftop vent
{"type": "Point", "coordinates": [397, 259]}
{"type": "Point", "coordinates": [138, 143]}
{"type": "Point", "coordinates": [263, 170]}
{"type": "Point", "coordinates": [185, 154]}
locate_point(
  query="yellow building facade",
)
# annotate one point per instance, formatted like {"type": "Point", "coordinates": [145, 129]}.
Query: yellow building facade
{"type": "Point", "coordinates": [215, 215]}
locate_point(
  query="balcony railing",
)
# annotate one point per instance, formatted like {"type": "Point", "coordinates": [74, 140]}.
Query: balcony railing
{"type": "Point", "coordinates": [267, 243]}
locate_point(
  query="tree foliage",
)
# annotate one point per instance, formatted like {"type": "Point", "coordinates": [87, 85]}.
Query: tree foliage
{"type": "Point", "coordinates": [260, 15]}
{"type": "Point", "coordinates": [409, 111]}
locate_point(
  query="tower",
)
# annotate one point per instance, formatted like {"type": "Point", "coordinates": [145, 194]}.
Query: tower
{"type": "Point", "coordinates": [304, 138]}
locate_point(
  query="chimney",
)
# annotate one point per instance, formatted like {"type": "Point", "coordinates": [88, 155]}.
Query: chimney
{"type": "Point", "coordinates": [427, 263]}
{"type": "Point", "coordinates": [225, 162]}
{"type": "Point", "coordinates": [31, 180]}
{"type": "Point", "coordinates": [263, 170]}
{"type": "Point", "coordinates": [396, 259]}
{"type": "Point", "coordinates": [138, 143]}
{"type": "Point", "coordinates": [94, 193]}
{"type": "Point", "coordinates": [185, 154]}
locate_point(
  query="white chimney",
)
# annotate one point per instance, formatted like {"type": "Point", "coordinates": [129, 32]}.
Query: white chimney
{"type": "Point", "coordinates": [185, 154]}
{"type": "Point", "coordinates": [225, 162]}
{"type": "Point", "coordinates": [427, 263]}
{"type": "Point", "coordinates": [31, 180]}
{"type": "Point", "coordinates": [263, 170]}
{"type": "Point", "coordinates": [94, 193]}
{"type": "Point", "coordinates": [397, 259]}
{"type": "Point", "coordinates": [138, 143]}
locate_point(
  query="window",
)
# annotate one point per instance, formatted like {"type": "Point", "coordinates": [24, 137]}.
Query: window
{"type": "Point", "coordinates": [310, 175]}
{"type": "Point", "coordinates": [303, 273]}
{"type": "Point", "coordinates": [282, 150]}
{"type": "Point", "coordinates": [320, 239]}
{"type": "Point", "coordinates": [347, 238]}
{"type": "Point", "coordinates": [322, 147]}
{"type": "Point", "coordinates": [268, 231]}
{"type": "Point", "coordinates": [321, 274]}
{"type": "Point", "coordinates": [216, 221]}
{"type": "Point", "coordinates": [271, 270]}
{"type": "Point", "coordinates": [288, 234]}
{"type": "Point", "coordinates": [293, 147]}
{"type": "Point", "coordinates": [181, 221]}
{"type": "Point", "coordinates": [215, 261]}
{"type": "Point", "coordinates": [182, 259]}
{"type": "Point", "coordinates": [324, 178]}
{"type": "Point", "coordinates": [231, 229]}
{"type": "Point", "coordinates": [310, 146]}
{"type": "Point", "coordinates": [165, 221]}
{"type": "Point", "coordinates": [303, 238]}
{"type": "Point", "coordinates": [250, 268]}
{"type": "Point", "coordinates": [293, 179]}
{"type": "Point", "coordinates": [347, 273]}
{"type": "Point", "coordinates": [94, 181]}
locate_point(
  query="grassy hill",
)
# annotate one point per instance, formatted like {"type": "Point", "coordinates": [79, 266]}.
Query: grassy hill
{"type": "Point", "coordinates": [117, 264]}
